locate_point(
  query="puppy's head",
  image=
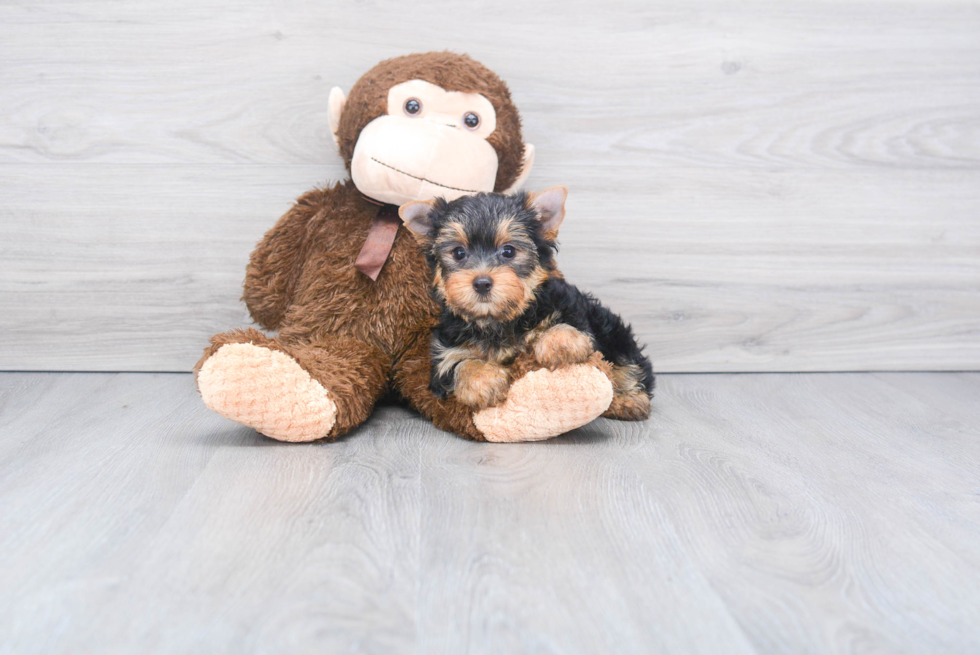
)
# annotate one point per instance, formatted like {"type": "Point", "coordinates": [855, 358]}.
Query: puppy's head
{"type": "Point", "coordinates": [489, 252]}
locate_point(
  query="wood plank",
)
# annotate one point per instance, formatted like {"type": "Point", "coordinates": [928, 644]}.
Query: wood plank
{"type": "Point", "coordinates": [134, 519]}
{"type": "Point", "coordinates": [557, 549]}
{"type": "Point", "coordinates": [134, 267]}
{"type": "Point", "coordinates": [662, 84]}
{"type": "Point", "coordinates": [954, 396]}
{"type": "Point", "coordinates": [767, 187]}
{"type": "Point", "coordinates": [830, 512]}
{"type": "Point", "coordinates": [806, 513]}
{"type": "Point", "coordinates": [130, 267]}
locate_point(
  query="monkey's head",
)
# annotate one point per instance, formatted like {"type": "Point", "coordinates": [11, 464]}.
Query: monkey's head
{"type": "Point", "coordinates": [429, 125]}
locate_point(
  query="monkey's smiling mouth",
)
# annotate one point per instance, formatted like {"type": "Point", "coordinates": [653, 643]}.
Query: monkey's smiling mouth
{"type": "Point", "coordinates": [422, 179]}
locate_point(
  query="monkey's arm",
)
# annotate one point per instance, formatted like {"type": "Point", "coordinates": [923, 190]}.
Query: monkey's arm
{"type": "Point", "coordinates": [277, 261]}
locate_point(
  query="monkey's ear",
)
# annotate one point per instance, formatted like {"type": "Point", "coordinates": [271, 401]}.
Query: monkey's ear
{"type": "Point", "coordinates": [335, 107]}
{"type": "Point", "coordinates": [550, 205]}
{"type": "Point", "coordinates": [417, 216]}
{"type": "Point", "coordinates": [527, 162]}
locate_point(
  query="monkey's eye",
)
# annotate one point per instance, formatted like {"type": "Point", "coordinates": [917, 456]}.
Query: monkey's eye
{"type": "Point", "coordinates": [472, 120]}
{"type": "Point", "coordinates": [508, 252]}
{"type": "Point", "coordinates": [459, 252]}
{"type": "Point", "coordinates": [413, 107]}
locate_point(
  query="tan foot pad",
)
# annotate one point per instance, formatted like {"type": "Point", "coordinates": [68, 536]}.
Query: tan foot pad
{"type": "Point", "coordinates": [266, 390]}
{"type": "Point", "coordinates": [544, 404]}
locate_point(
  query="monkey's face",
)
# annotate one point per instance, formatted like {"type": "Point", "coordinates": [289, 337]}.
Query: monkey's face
{"type": "Point", "coordinates": [428, 125]}
{"type": "Point", "coordinates": [431, 143]}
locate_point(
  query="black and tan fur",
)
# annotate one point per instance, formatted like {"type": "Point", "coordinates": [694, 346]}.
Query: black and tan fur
{"type": "Point", "coordinates": [501, 295]}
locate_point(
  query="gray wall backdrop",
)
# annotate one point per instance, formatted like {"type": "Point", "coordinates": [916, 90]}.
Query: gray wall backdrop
{"type": "Point", "coordinates": [757, 186]}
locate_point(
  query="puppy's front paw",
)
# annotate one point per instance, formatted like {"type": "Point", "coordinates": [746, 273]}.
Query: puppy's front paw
{"type": "Point", "coordinates": [562, 345]}
{"type": "Point", "coordinates": [481, 384]}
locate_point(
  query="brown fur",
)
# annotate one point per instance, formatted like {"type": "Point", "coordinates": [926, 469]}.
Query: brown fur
{"type": "Point", "coordinates": [481, 384]}
{"type": "Point", "coordinates": [369, 99]}
{"type": "Point", "coordinates": [360, 338]}
{"type": "Point", "coordinates": [526, 362]}
{"type": "Point", "coordinates": [345, 330]}
{"type": "Point", "coordinates": [455, 234]}
{"type": "Point", "coordinates": [630, 400]}
{"type": "Point", "coordinates": [509, 296]}
{"type": "Point", "coordinates": [453, 357]}
{"type": "Point", "coordinates": [354, 372]}
{"type": "Point", "coordinates": [562, 345]}
{"type": "Point", "coordinates": [631, 407]}
{"type": "Point", "coordinates": [458, 290]}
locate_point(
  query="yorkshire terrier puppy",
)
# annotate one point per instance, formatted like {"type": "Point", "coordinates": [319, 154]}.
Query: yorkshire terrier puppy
{"type": "Point", "coordinates": [494, 273]}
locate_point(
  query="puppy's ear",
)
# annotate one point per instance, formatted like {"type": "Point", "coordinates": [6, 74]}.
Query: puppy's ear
{"type": "Point", "coordinates": [417, 216]}
{"type": "Point", "coordinates": [550, 206]}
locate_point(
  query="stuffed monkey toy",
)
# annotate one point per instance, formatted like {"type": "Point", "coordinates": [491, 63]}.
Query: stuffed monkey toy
{"type": "Point", "coordinates": [347, 291]}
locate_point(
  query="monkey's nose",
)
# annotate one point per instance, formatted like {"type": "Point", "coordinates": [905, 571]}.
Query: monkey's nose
{"type": "Point", "coordinates": [482, 284]}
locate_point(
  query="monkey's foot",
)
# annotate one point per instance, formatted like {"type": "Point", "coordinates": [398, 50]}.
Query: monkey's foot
{"type": "Point", "coordinates": [268, 391]}
{"type": "Point", "coordinates": [543, 404]}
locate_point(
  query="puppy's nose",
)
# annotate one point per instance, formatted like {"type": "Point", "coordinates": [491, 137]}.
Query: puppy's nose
{"type": "Point", "coordinates": [482, 284]}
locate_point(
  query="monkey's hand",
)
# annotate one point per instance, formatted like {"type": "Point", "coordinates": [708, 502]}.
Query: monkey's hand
{"type": "Point", "coordinates": [481, 384]}
{"type": "Point", "coordinates": [542, 403]}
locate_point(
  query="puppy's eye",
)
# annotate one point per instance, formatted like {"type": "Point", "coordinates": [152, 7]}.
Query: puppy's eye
{"type": "Point", "coordinates": [413, 107]}
{"type": "Point", "coordinates": [508, 252]}
{"type": "Point", "coordinates": [459, 253]}
{"type": "Point", "coordinates": [471, 120]}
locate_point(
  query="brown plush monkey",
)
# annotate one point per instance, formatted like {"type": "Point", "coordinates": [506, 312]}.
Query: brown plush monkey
{"type": "Point", "coordinates": [347, 290]}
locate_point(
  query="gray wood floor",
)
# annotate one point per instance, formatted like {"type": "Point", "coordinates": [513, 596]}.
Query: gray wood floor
{"type": "Point", "coordinates": [753, 513]}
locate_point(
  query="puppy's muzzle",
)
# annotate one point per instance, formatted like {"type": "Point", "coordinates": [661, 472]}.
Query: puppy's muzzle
{"type": "Point", "coordinates": [482, 284]}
